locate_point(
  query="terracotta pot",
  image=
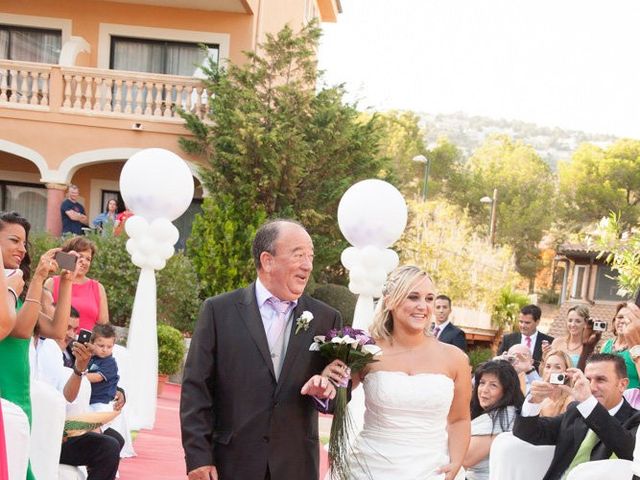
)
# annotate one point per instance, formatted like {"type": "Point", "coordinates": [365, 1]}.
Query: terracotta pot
{"type": "Point", "coordinates": [162, 379]}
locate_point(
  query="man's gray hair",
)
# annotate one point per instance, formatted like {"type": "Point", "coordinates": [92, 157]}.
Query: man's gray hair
{"type": "Point", "coordinates": [266, 237]}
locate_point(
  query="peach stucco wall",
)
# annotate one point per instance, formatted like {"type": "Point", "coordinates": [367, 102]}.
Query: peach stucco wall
{"type": "Point", "coordinates": [87, 15]}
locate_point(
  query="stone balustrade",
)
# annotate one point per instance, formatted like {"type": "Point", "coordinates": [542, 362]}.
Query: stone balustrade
{"type": "Point", "coordinates": [114, 93]}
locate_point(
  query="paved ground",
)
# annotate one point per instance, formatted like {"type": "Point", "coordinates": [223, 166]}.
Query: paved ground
{"type": "Point", "coordinates": [160, 454]}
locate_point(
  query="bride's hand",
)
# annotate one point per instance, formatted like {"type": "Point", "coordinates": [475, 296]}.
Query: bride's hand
{"type": "Point", "coordinates": [450, 470]}
{"type": "Point", "coordinates": [337, 371]}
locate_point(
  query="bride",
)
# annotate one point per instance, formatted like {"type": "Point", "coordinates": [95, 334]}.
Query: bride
{"type": "Point", "coordinates": [417, 417]}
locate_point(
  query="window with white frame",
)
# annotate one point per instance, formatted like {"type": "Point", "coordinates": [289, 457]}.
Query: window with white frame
{"type": "Point", "coordinates": [29, 200]}
{"type": "Point", "coordinates": [160, 56]}
{"type": "Point", "coordinates": [579, 273]}
{"type": "Point", "coordinates": [28, 44]}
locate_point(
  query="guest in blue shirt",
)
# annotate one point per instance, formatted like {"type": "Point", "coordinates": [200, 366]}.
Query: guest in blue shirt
{"type": "Point", "coordinates": [103, 369]}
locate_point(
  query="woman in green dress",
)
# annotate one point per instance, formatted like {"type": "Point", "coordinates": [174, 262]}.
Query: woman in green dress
{"type": "Point", "coordinates": [620, 344]}
{"type": "Point", "coordinates": [14, 349]}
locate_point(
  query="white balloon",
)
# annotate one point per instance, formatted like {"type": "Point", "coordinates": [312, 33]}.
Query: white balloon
{"type": "Point", "coordinates": [371, 257]}
{"type": "Point", "coordinates": [162, 230]}
{"type": "Point", "coordinates": [390, 259]}
{"type": "Point", "coordinates": [136, 226]}
{"type": "Point", "coordinates": [377, 276]}
{"type": "Point", "coordinates": [165, 250]}
{"type": "Point", "coordinates": [156, 183]}
{"type": "Point", "coordinates": [132, 246]}
{"type": "Point", "coordinates": [156, 262]}
{"type": "Point", "coordinates": [372, 212]}
{"type": "Point", "coordinates": [146, 245]}
{"type": "Point", "coordinates": [350, 257]}
{"type": "Point", "coordinates": [139, 260]}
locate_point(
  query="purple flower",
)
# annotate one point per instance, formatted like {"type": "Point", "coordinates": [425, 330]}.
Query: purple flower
{"type": "Point", "coordinates": [331, 334]}
{"type": "Point", "coordinates": [364, 339]}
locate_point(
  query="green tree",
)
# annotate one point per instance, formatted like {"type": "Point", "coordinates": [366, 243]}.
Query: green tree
{"type": "Point", "coordinates": [526, 196]}
{"type": "Point", "coordinates": [276, 146]}
{"type": "Point", "coordinates": [598, 181]}
{"type": "Point", "coordinates": [442, 239]}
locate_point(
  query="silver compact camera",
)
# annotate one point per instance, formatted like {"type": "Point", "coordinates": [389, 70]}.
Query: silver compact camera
{"type": "Point", "coordinates": [558, 379]}
{"type": "Point", "coordinates": [599, 326]}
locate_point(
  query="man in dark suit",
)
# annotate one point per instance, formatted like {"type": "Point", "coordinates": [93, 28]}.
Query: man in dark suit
{"type": "Point", "coordinates": [244, 409]}
{"type": "Point", "coordinates": [443, 329]}
{"type": "Point", "coordinates": [600, 423]}
{"type": "Point", "coordinates": [529, 335]}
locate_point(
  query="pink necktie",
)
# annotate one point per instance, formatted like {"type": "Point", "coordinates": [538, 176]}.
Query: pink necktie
{"type": "Point", "coordinates": [277, 326]}
{"type": "Point", "coordinates": [527, 340]}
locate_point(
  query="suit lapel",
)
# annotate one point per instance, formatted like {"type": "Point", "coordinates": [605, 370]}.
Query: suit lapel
{"type": "Point", "coordinates": [250, 314]}
{"type": "Point", "coordinates": [303, 339]}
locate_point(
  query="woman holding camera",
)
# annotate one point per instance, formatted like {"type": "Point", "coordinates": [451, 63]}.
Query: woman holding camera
{"type": "Point", "coordinates": [14, 349]}
{"type": "Point", "coordinates": [553, 370]}
{"type": "Point", "coordinates": [495, 398]}
{"type": "Point", "coordinates": [626, 314]}
{"type": "Point", "coordinates": [88, 296]}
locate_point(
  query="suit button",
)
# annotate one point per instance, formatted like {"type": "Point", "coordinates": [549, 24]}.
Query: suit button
{"type": "Point", "coordinates": [266, 439]}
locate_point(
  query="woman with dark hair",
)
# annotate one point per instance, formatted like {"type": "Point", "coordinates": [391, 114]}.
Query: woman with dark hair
{"type": "Point", "coordinates": [495, 398]}
{"type": "Point", "coordinates": [14, 349]}
{"type": "Point", "coordinates": [7, 322]}
{"type": "Point", "coordinates": [88, 296]}
{"type": "Point", "coordinates": [108, 217]}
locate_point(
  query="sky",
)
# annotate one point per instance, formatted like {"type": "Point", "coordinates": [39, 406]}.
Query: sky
{"type": "Point", "coordinates": [574, 64]}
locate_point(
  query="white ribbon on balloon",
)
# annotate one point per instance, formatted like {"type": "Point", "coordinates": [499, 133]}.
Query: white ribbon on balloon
{"type": "Point", "coordinates": [157, 186]}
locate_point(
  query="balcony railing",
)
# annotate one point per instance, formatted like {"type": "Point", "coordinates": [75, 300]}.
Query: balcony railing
{"type": "Point", "coordinates": [113, 93]}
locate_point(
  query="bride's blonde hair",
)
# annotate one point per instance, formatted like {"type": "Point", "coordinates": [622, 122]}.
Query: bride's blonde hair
{"type": "Point", "coordinates": [395, 291]}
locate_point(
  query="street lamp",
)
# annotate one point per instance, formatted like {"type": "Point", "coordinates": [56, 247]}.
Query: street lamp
{"type": "Point", "coordinates": [492, 221]}
{"type": "Point", "coordinates": [425, 160]}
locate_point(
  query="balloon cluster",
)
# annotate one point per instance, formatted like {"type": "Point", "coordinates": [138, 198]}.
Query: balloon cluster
{"type": "Point", "coordinates": [150, 245]}
{"type": "Point", "coordinates": [368, 268]}
{"type": "Point", "coordinates": [372, 215]}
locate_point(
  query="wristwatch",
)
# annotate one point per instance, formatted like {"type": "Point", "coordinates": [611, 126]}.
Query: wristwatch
{"type": "Point", "coordinates": [80, 373]}
{"type": "Point", "coordinates": [634, 352]}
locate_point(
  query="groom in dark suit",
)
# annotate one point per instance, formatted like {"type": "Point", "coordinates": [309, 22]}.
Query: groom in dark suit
{"type": "Point", "coordinates": [600, 423]}
{"type": "Point", "coordinates": [529, 334]}
{"type": "Point", "coordinates": [246, 408]}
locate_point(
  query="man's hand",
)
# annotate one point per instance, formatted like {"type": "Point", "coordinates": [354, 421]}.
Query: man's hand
{"type": "Point", "coordinates": [338, 372]}
{"type": "Point", "coordinates": [119, 400]}
{"type": "Point", "coordinates": [319, 387]}
{"type": "Point", "coordinates": [82, 354]}
{"type": "Point", "coordinates": [207, 472]}
{"type": "Point", "coordinates": [581, 385]}
{"type": "Point", "coordinates": [523, 363]}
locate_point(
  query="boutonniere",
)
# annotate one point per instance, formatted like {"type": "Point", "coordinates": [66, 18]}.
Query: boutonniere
{"type": "Point", "coordinates": [303, 321]}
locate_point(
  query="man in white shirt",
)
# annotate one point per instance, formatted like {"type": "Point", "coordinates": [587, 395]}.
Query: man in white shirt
{"type": "Point", "coordinates": [599, 424]}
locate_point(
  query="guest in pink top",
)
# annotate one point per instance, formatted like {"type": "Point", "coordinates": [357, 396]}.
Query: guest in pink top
{"type": "Point", "coordinates": [88, 296]}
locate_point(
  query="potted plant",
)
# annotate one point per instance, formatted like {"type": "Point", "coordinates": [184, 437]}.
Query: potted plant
{"type": "Point", "coordinates": [170, 353]}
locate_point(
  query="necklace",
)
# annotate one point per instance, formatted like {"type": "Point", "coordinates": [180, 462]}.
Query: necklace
{"type": "Point", "coordinates": [573, 349]}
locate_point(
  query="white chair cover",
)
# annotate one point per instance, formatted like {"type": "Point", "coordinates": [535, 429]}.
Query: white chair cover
{"type": "Point", "coordinates": [122, 423]}
{"type": "Point", "coordinates": [69, 472]}
{"type": "Point", "coordinates": [16, 433]}
{"type": "Point", "coordinates": [48, 412]}
{"type": "Point", "coordinates": [513, 459]}
{"type": "Point", "coordinates": [602, 469]}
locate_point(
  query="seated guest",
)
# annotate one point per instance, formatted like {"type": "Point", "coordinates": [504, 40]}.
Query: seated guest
{"type": "Point", "coordinates": [103, 369]}
{"type": "Point", "coordinates": [598, 425]}
{"type": "Point", "coordinates": [520, 357]}
{"type": "Point", "coordinates": [496, 395]}
{"type": "Point", "coordinates": [443, 329]}
{"type": "Point", "coordinates": [557, 362]}
{"type": "Point", "coordinates": [529, 336]}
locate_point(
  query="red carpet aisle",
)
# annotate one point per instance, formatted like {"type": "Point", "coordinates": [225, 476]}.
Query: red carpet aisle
{"type": "Point", "coordinates": [160, 454]}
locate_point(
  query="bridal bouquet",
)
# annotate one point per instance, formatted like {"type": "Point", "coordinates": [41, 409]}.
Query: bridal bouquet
{"type": "Point", "coordinates": [356, 349]}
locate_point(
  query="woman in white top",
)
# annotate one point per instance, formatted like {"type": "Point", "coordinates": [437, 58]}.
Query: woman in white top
{"type": "Point", "coordinates": [494, 400]}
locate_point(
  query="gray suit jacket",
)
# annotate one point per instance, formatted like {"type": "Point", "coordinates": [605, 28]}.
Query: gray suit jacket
{"type": "Point", "coordinates": [234, 414]}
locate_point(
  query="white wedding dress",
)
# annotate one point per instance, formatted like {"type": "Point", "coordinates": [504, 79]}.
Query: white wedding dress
{"type": "Point", "coordinates": [405, 427]}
